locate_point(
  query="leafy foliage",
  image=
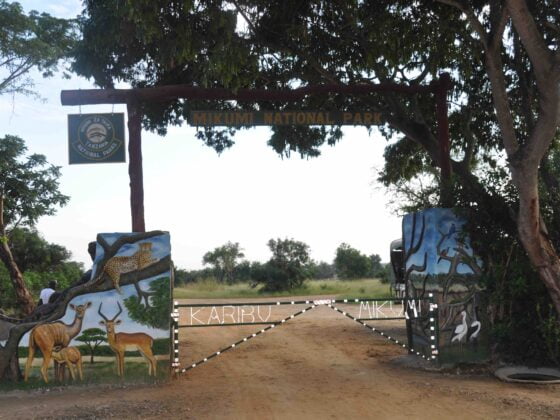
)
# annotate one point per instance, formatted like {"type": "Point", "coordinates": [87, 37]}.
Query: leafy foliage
{"type": "Point", "coordinates": [28, 188]}
{"type": "Point", "coordinates": [40, 261]}
{"type": "Point", "coordinates": [33, 252]}
{"type": "Point", "coordinates": [323, 270]}
{"type": "Point", "coordinates": [288, 267]}
{"type": "Point", "coordinates": [224, 260]}
{"type": "Point", "coordinates": [156, 314]}
{"type": "Point", "coordinates": [351, 263]}
{"type": "Point", "coordinates": [30, 41]}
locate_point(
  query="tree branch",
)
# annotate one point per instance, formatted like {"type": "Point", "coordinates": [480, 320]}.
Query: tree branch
{"type": "Point", "coordinates": [471, 17]}
{"type": "Point", "coordinates": [541, 57]}
{"type": "Point", "coordinates": [499, 20]}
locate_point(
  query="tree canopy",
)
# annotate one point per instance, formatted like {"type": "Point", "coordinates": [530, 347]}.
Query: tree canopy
{"type": "Point", "coordinates": [224, 261]}
{"type": "Point", "coordinates": [351, 263]}
{"type": "Point", "coordinates": [27, 41]}
{"type": "Point", "coordinates": [503, 57]}
{"type": "Point", "coordinates": [28, 190]}
{"type": "Point", "coordinates": [288, 267]}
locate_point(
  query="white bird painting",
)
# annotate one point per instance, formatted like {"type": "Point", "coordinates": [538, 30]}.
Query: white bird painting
{"type": "Point", "coordinates": [461, 329]}
{"type": "Point", "coordinates": [474, 330]}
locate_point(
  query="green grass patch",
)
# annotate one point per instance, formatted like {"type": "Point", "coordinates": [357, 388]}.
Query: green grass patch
{"type": "Point", "coordinates": [160, 346]}
{"type": "Point", "coordinates": [341, 289]}
{"type": "Point", "coordinates": [97, 373]}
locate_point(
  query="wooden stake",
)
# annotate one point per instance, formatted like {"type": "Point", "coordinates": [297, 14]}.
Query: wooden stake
{"type": "Point", "coordinates": [135, 166]}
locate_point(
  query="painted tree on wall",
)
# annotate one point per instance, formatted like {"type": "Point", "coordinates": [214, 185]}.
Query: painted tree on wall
{"type": "Point", "coordinates": [92, 338]}
{"type": "Point", "coordinates": [153, 308]}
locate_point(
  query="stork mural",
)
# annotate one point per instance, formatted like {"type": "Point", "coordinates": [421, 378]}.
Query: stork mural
{"type": "Point", "coordinates": [439, 259]}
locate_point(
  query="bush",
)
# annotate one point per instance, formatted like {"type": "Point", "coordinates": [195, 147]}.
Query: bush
{"type": "Point", "coordinates": [351, 263]}
{"type": "Point", "coordinates": [289, 266]}
{"type": "Point", "coordinates": [323, 271]}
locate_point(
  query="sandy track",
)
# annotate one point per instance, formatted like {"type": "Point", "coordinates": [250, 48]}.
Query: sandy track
{"type": "Point", "coordinates": [319, 365]}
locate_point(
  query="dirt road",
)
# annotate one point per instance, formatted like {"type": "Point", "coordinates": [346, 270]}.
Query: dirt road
{"type": "Point", "coordinates": [319, 365]}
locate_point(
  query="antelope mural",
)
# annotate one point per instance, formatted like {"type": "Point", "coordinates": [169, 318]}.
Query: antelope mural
{"type": "Point", "coordinates": [71, 357]}
{"type": "Point", "coordinates": [120, 341]}
{"type": "Point", "coordinates": [51, 337]}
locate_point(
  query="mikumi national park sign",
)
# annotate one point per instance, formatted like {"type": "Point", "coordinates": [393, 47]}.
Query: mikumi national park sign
{"type": "Point", "coordinates": [251, 118]}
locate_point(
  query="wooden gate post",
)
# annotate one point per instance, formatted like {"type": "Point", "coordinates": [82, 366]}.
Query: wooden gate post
{"type": "Point", "coordinates": [135, 166]}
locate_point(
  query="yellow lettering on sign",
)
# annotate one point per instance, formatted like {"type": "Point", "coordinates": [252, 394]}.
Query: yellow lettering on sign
{"type": "Point", "coordinates": [311, 118]}
{"type": "Point", "coordinates": [217, 119]}
{"type": "Point", "coordinates": [328, 119]}
{"type": "Point", "coordinates": [199, 118]}
{"type": "Point", "coordinates": [300, 118]}
{"type": "Point", "coordinates": [368, 118]}
{"type": "Point", "coordinates": [267, 118]}
{"type": "Point", "coordinates": [346, 117]}
{"type": "Point", "coordinates": [278, 118]}
{"type": "Point", "coordinates": [320, 118]}
{"type": "Point", "coordinates": [244, 118]}
{"type": "Point", "coordinates": [357, 118]}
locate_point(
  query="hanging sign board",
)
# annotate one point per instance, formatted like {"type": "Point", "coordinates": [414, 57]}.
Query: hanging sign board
{"type": "Point", "coordinates": [250, 118]}
{"type": "Point", "coordinates": [96, 138]}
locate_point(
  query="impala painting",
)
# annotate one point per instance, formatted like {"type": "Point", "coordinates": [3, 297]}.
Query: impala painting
{"type": "Point", "coordinates": [114, 325]}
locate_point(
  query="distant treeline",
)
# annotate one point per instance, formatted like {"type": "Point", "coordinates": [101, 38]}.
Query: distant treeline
{"type": "Point", "coordinates": [290, 260]}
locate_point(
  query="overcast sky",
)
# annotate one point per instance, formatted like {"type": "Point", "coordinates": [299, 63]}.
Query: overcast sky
{"type": "Point", "coordinates": [248, 194]}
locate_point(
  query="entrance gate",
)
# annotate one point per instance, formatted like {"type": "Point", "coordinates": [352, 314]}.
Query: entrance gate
{"type": "Point", "coordinates": [420, 310]}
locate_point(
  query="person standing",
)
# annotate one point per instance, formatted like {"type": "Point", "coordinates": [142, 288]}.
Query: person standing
{"type": "Point", "coordinates": [47, 292]}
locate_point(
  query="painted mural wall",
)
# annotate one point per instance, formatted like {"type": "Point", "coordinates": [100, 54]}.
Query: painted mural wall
{"type": "Point", "coordinates": [115, 324]}
{"type": "Point", "coordinates": [439, 259]}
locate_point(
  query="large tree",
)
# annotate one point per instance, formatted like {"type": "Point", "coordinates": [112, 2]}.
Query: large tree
{"type": "Point", "coordinates": [224, 260]}
{"type": "Point", "coordinates": [502, 54]}
{"type": "Point", "coordinates": [350, 263]}
{"type": "Point", "coordinates": [29, 41]}
{"type": "Point", "coordinates": [39, 261]}
{"type": "Point", "coordinates": [289, 266]}
{"type": "Point", "coordinates": [28, 190]}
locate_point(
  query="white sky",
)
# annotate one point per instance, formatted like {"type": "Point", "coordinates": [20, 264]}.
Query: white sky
{"type": "Point", "coordinates": [246, 195]}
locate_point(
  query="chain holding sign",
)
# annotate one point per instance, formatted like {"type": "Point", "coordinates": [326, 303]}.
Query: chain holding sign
{"type": "Point", "coordinates": [96, 138]}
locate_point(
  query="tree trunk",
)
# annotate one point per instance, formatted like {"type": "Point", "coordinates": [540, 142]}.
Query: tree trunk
{"type": "Point", "coordinates": [9, 363]}
{"type": "Point", "coordinates": [10, 368]}
{"type": "Point", "coordinates": [25, 301]}
{"type": "Point", "coordinates": [532, 233]}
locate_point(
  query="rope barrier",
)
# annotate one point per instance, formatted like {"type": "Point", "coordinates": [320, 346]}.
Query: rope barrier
{"type": "Point", "coordinates": [434, 330]}
{"type": "Point", "coordinates": [243, 340]}
{"type": "Point", "coordinates": [296, 302]}
{"type": "Point", "coordinates": [381, 333]}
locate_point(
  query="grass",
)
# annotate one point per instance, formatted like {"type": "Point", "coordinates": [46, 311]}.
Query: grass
{"type": "Point", "coordinates": [98, 373]}
{"type": "Point", "coordinates": [211, 289]}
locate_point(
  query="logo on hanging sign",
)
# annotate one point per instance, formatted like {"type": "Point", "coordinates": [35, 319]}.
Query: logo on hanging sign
{"type": "Point", "coordinates": [96, 138]}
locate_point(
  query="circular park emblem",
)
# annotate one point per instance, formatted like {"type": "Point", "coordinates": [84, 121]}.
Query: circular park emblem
{"type": "Point", "coordinates": [96, 137]}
